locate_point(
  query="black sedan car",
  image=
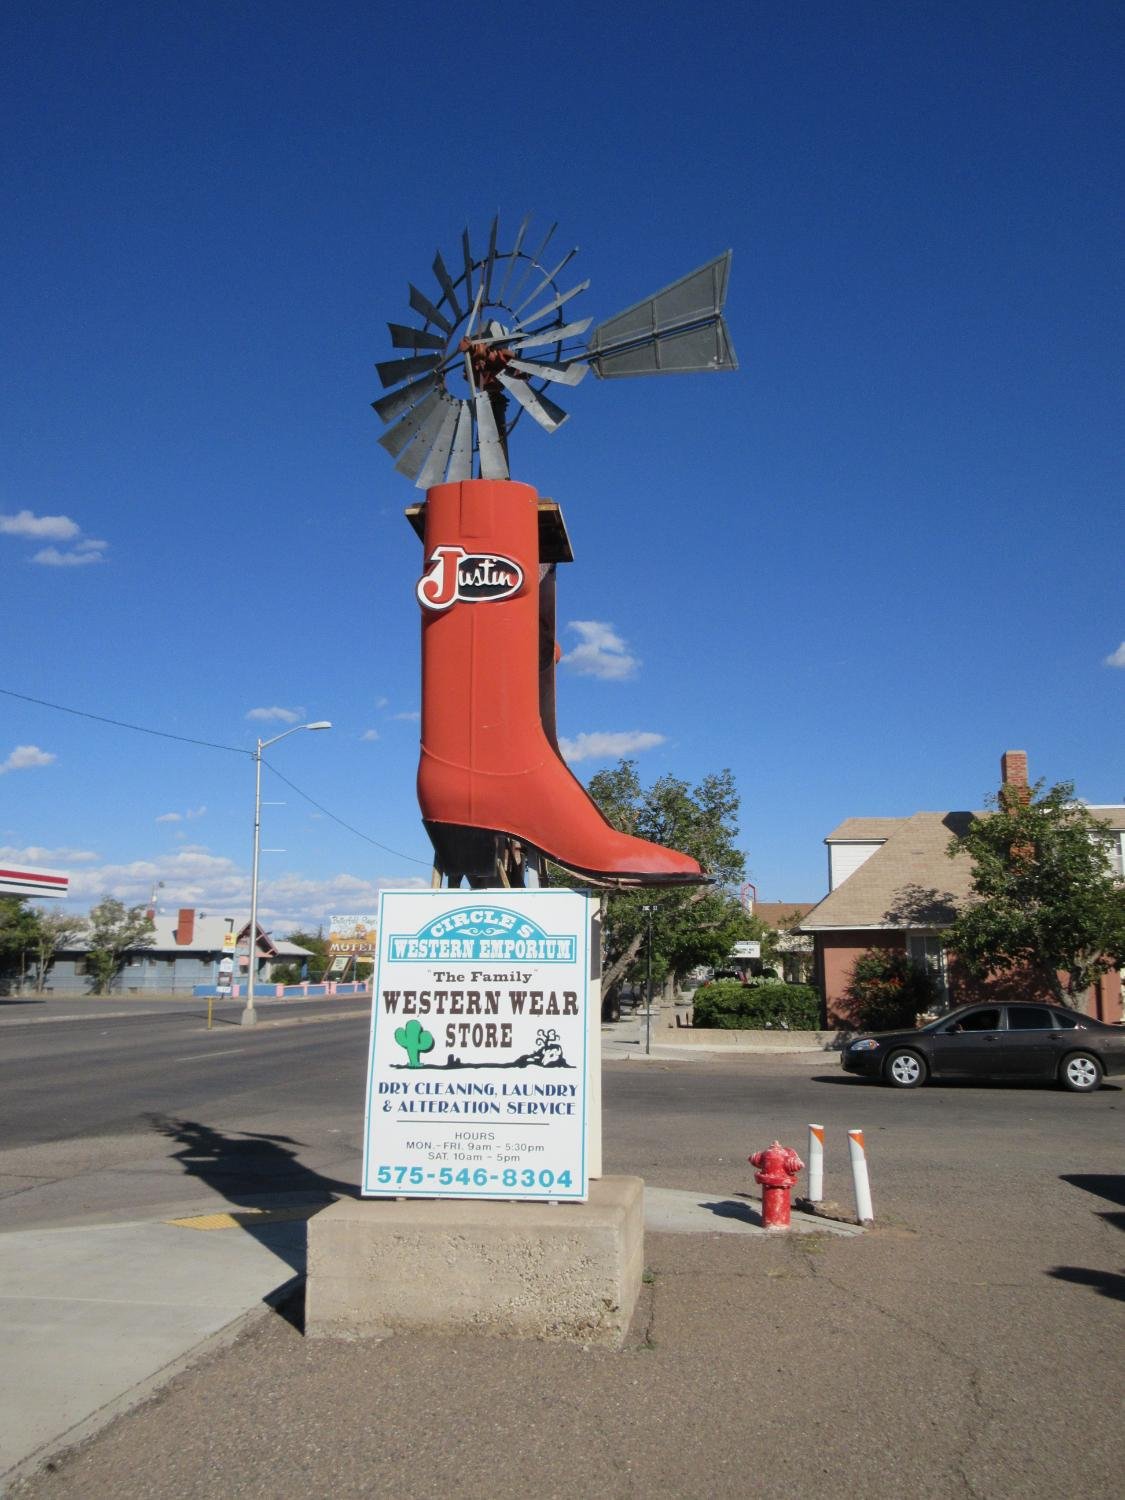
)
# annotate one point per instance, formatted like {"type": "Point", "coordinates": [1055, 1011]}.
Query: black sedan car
{"type": "Point", "coordinates": [994, 1041]}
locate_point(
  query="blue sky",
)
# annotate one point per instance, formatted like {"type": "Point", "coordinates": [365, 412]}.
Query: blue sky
{"type": "Point", "coordinates": [854, 572]}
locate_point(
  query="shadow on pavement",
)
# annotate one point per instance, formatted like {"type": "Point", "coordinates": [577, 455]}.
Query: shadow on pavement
{"type": "Point", "coordinates": [247, 1166]}
{"type": "Point", "coordinates": [1107, 1185]}
{"type": "Point", "coordinates": [1106, 1282]}
{"type": "Point", "coordinates": [726, 1208]}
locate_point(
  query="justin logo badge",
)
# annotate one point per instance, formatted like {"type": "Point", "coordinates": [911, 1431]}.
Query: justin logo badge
{"type": "Point", "coordinates": [474, 577]}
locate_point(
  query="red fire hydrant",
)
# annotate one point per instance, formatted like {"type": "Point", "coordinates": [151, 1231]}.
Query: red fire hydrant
{"type": "Point", "coordinates": [778, 1166]}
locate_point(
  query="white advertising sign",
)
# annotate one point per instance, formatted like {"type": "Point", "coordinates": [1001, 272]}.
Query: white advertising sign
{"type": "Point", "coordinates": [477, 1081]}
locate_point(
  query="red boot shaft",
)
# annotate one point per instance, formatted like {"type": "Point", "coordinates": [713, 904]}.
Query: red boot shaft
{"type": "Point", "coordinates": [486, 762]}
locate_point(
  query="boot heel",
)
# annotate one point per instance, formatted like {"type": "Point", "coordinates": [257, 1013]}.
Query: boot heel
{"type": "Point", "coordinates": [462, 851]}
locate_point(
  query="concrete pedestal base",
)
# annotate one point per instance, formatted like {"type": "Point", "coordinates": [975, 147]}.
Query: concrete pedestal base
{"type": "Point", "coordinates": [527, 1270]}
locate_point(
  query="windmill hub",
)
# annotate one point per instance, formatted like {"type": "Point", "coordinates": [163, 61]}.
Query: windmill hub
{"type": "Point", "coordinates": [489, 361]}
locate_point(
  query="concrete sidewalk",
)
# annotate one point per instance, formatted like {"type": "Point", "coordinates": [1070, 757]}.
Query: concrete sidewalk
{"type": "Point", "coordinates": [97, 1318]}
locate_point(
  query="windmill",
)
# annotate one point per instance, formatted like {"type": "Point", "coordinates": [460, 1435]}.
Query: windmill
{"type": "Point", "coordinates": [497, 334]}
{"type": "Point", "coordinates": [501, 327]}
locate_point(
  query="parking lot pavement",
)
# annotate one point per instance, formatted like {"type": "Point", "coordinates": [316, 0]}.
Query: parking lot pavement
{"type": "Point", "coordinates": [970, 1344]}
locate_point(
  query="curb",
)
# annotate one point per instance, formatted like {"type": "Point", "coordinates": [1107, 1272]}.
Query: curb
{"type": "Point", "coordinates": [145, 1389]}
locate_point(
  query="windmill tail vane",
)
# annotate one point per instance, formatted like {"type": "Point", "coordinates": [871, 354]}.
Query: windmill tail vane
{"type": "Point", "coordinates": [502, 328]}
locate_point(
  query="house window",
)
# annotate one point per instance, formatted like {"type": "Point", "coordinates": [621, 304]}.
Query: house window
{"type": "Point", "coordinates": [80, 967]}
{"type": "Point", "coordinates": [1112, 843]}
{"type": "Point", "coordinates": [926, 953]}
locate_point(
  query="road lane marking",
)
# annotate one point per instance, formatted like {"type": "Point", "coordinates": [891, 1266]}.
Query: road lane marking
{"type": "Point", "coordinates": [196, 1056]}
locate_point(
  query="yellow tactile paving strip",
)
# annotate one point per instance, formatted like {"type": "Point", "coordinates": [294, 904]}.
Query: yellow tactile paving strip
{"type": "Point", "coordinates": [247, 1218]}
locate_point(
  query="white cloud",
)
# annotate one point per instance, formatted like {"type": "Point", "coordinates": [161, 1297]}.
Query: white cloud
{"type": "Point", "coordinates": [284, 715]}
{"type": "Point", "coordinates": [370, 734]}
{"type": "Point", "coordinates": [89, 551]}
{"type": "Point", "coordinates": [381, 702]}
{"type": "Point", "coordinates": [1116, 658]}
{"type": "Point", "coordinates": [25, 757]}
{"type": "Point", "coordinates": [606, 746]}
{"type": "Point", "coordinates": [35, 854]}
{"type": "Point", "coordinates": [194, 877]}
{"type": "Point", "coordinates": [41, 528]}
{"type": "Point", "coordinates": [601, 652]}
{"type": "Point", "coordinates": [175, 817]}
{"type": "Point", "coordinates": [410, 718]}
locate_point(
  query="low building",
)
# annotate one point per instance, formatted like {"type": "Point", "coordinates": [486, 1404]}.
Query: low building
{"type": "Point", "coordinates": [185, 951]}
{"type": "Point", "coordinates": [892, 884]}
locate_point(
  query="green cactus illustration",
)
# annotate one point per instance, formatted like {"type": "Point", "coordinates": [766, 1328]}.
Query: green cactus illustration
{"type": "Point", "coordinates": [414, 1039]}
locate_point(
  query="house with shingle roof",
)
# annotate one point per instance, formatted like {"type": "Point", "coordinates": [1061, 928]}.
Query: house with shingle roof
{"type": "Point", "coordinates": [892, 884]}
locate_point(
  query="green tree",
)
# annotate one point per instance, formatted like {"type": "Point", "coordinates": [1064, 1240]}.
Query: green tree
{"type": "Point", "coordinates": [691, 925]}
{"type": "Point", "coordinates": [1046, 900]}
{"type": "Point", "coordinates": [115, 931]}
{"type": "Point", "coordinates": [54, 930]}
{"type": "Point", "coordinates": [318, 961]}
{"type": "Point", "coordinates": [18, 927]}
{"type": "Point", "coordinates": [886, 992]}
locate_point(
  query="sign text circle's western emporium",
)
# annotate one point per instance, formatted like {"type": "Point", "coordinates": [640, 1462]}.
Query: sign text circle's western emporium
{"type": "Point", "coordinates": [479, 1066]}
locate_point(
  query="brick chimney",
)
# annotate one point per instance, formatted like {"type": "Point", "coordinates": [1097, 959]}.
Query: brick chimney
{"type": "Point", "coordinates": [185, 926]}
{"type": "Point", "coordinates": [1013, 776]}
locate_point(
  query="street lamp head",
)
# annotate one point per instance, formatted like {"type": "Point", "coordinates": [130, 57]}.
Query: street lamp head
{"type": "Point", "coordinates": [320, 724]}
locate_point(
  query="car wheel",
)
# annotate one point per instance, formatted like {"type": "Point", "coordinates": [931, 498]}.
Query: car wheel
{"type": "Point", "coordinates": [905, 1070]}
{"type": "Point", "coordinates": [1080, 1073]}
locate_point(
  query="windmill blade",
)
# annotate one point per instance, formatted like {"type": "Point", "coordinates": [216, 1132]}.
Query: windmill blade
{"type": "Point", "coordinates": [542, 408]}
{"type": "Point", "coordinates": [695, 350]}
{"type": "Point", "coordinates": [695, 298]}
{"type": "Point", "coordinates": [513, 258]}
{"type": "Point", "coordinates": [476, 309]}
{"type": "Point", "coordinates": [409, 395]}
{"type": "Point", "coordinates": [433, 470]}
{"type": "Point", "coordinates": [415, 456]}
{"type": "Point", "coordinates": [422, 304]}
{"type": "Point", "coordinates": [445, 281]}
{"type": "Point", "coordinates": [550, 307]}
{"type": "Point", "coordinates": [391, 371]}
{"type": "Point", "coordinates": [569, 374]}
{"type": "Point", "coordinates": [549, 335]}
{"type": "Point", "coordinates": [461, 458]}
{"type": "Point", "coordinates": [467, 256]}
{"type": "Point", "coordinates": [547, 279]}
{"type": "Point", "coordinates": [490, 260]}
{"type": "Point", "coordinates": [405, 337]}
{"type": "Point", "coordinates": [493, 464]}
{"type": "Point", "coordinates": [533, 261]}
{"type": "Point", "coordinates": [396, 439]}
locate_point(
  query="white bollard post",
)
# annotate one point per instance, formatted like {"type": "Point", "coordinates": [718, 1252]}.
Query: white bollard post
{"type": "Point", "coordinates": [816, 1163]}
{"type": "Point", "coordinates": [863, 1210]}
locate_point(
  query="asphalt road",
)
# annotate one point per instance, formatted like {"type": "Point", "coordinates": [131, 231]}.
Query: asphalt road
{"type": "Point", "coordinates": [970, 1345]}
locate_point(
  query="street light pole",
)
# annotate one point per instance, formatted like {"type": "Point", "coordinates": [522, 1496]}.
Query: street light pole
{"type": "Point", "coordinates": [249, 1014]}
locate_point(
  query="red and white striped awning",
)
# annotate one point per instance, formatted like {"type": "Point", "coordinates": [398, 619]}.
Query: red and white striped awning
{"type": "Point", "coordinates": [21, 881]}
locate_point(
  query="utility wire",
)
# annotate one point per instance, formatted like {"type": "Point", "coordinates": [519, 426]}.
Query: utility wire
{"type": "Point", "coordinates": [386, 849]}
{"type": "Point", "coordinates": [211, 745]}
{"type": "Point", "coordinates": [121, 724]}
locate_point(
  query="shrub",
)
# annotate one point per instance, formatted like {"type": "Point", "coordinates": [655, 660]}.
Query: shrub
{"type": "Point", "coordinates": [756, 1007]}
{"type": "Point", "coordinates": [887, 992]}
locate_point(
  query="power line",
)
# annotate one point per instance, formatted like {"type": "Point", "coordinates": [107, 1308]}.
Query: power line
{"type": "Point", "coordinates": [163, 734]}
{"type": "Point", "coordinates": [328, 814]}
{"type": "Point", "coordinates": [211, 745]}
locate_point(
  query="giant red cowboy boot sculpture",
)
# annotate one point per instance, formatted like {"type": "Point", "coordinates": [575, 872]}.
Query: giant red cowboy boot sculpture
{"type": "Point", "coordinates": [487, 764]}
